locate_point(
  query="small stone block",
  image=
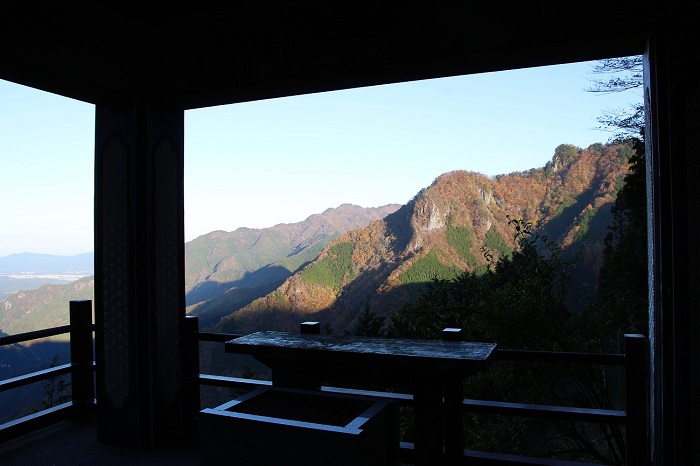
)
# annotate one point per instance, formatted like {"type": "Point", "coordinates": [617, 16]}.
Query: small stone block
{"type": "Point", "coordinates": [452, 334]}
{"type": "Point", "coordinates": [310, 328]}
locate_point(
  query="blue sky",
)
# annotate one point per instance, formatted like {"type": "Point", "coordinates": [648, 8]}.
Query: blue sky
{"type": "Point", "coordinates": [278, 161]}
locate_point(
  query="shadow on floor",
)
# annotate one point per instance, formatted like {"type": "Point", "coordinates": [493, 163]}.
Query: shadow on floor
{"type": "Point", "coordinates": [75, 443]}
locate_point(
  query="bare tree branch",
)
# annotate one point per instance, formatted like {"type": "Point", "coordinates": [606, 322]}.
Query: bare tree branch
{"type": "Point", "coordinates": [624, 123]}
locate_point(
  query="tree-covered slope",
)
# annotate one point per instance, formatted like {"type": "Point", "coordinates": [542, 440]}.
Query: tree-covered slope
{"type": "Point", "coordinates": [226, 271]}
{"type": "Point", "coordinates": [219, 259]}
{"type": "Point", "coordinates": [44, 307]}
{"type": "Point", "coordinates": [234, 268]}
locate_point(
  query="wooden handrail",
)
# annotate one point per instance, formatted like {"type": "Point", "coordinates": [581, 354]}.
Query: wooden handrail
{"type": "Point", "coordinates": [81, 367]}
{"type": "Point", "coordinates": [562, 413]}
{"type": "Point", "coordinates": [38, 376]}
{"type": "Point", "coordinates": [562, 357]}
{"type": "Point", "coordinates": [34, 335]}
{"type": "Point", "coordinates": [634, 415]}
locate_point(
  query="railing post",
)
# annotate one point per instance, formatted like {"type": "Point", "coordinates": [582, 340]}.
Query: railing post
{"type": "Point", "coordinates": [451, 334]}
{"type": "Point", "coordinates": [81, 356]}
{"type": "Point", "coordinates": [637, 441]}
{"type": "Point", "coordinates": [310, 328]}
{"type": "Point", "coordinates": [453, 414]}
{"type": "Point", "coordinates": [190, 370]}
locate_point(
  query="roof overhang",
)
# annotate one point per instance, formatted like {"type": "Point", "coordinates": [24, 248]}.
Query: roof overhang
{"type": "Point", "coordinates": [200, 54]}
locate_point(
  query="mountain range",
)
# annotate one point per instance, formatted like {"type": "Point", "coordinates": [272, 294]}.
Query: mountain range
{"type": "Point", "coordinates": [30, 263]}
{"type": "Point", "coordinates": [28, 271]}
{"type": "Point", "coordinates": [442, 231]}
{"type": "Point", "coordinates": [331, 265]}
{"type": "Point", "coordinates": [224, 271]}
{"type": "Point", "coordinates": [222, 268]}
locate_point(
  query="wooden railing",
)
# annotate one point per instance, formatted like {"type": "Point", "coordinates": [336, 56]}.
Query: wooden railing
{"type": "Point", "coordinates": [81, 368]}
{"type": "Point", "coordinates": [633, 417]}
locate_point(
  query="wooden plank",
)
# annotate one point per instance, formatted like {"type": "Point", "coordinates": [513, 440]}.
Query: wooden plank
{"type": "Point", "coordinates": [257, 343]}
{"type": "Point", "coordinates": [483, 458]}
{"type": "Point", "coordinates": [405, 399]}
{"type": "Point", "coordinates": [561, 357]}
{"type": "Point", "coordinates": [38, 376]}
{"type": "Point", "coordinates": [500, 459]}
{"type": "Point", "coordinates": [232, 382]}
{"type": "Point", "coordinates": [543, 411]}
{"type": "Point", "coordinates": [35, 421]}
{"type": "Point", "coordinates": [28, 336]}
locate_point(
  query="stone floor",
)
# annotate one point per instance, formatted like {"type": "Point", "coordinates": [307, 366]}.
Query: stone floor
{"type": "Point", "coordinates": [75, 443]}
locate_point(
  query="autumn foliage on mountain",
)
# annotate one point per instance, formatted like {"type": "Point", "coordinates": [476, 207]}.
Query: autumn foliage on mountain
{"type": "Point", "coordinates": [443, 231]}
{"type": "Point", "coordinates": [227, 270]}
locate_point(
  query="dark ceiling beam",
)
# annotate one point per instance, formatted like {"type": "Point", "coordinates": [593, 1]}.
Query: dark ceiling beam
{"type": "Point", "coordinates": [420, 68]}
{"type": "Point", "coordinates": [206, 54]}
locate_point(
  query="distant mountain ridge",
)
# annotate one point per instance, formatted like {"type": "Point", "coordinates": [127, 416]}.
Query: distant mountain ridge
{"type": "Point", "coordinates": [234, 267]}
{"type": "Point", "coordinates": [29, 271]}
{"type": "Point", "coordinates": [44, 307]}
{"type": "Point", "coordinates": [441, 232]}
{"type": "Point", "coordinates": [327, 268]}
{"type": "Point", "coordinates": [48, 264]}
{"type": "Point", "coordinates": [227, 270]}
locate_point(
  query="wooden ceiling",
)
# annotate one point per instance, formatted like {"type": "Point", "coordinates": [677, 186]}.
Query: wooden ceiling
{"type": "Point", "coordinates": [201, 53]}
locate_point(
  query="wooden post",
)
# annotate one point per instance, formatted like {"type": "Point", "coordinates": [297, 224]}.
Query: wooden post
{"type": "Point", "coordinates": [190, 372]}
{"type": "Point", "coordinates": [454, 420]}
{"type": "Point", "coordinates": [427, 423]}
{"type": "Point", "coordinates": [299, 375]}
{"type": "Point", "coordinates": [637, 441]}
{"type": "Point", "coordinates": [82, 376]}
{"type": "Point", "coordinates": [310, 328]}
{"type": "Point", "coordinates": [452, 334]}
{"type": "Point", "coordinates": [453, 417]}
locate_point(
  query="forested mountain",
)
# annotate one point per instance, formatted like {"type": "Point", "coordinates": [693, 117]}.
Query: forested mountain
{"type": "Point", "coordinates": [441, 232]}
{"type": "Point", "coordinates": [233, 267]}
{"type": "Point", "coordinates": [28, 271]}
{"type": "Point", "coordinates": [227, 270]}
{"type": "Point", "coordinates": [24, 311]}
{"type": "Point", "coordinates": [44, 307]}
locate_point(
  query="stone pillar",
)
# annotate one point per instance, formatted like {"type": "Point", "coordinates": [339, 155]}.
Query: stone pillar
{"type": "Point", "coordinates": [672, 95]}
{"type": "Point", "coordinates": [139, 272]}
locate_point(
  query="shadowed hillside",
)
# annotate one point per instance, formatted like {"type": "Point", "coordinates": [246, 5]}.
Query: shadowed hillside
{"type": "Point", "coordinates": [233, 268]}
{"type": "Point", "coordinates": [226, 271]}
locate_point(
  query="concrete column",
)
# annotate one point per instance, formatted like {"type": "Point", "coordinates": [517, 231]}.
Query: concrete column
{"type": "Point", "coordinates": [139, 272]}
